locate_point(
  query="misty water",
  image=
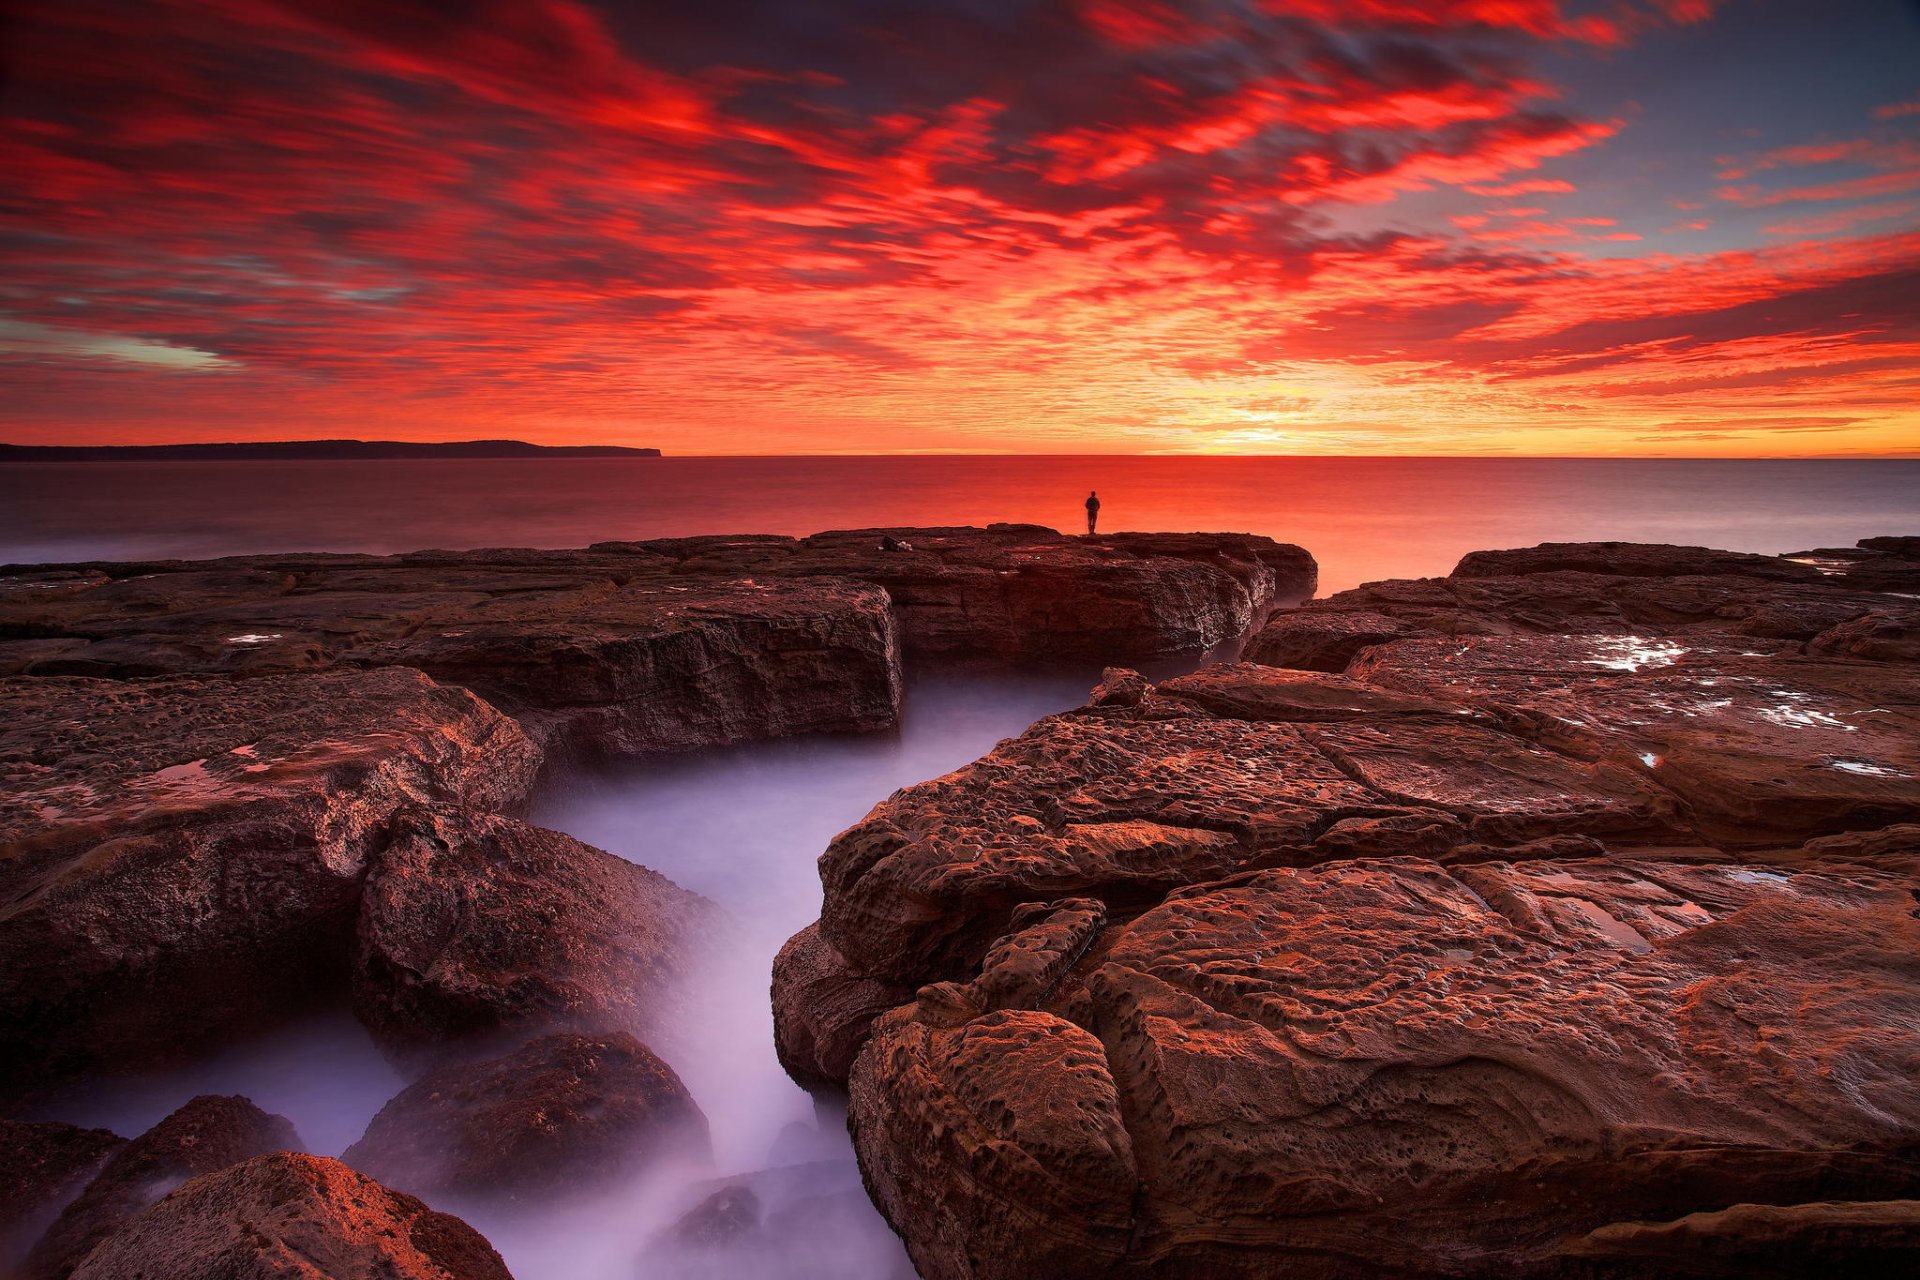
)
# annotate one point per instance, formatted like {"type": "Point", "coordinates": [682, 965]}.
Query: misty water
{"type": "Point", "coordinates": [744, 826]}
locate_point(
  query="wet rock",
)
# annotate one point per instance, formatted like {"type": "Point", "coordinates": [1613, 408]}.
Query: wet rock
{"type": "Point", "coordinates": [206, 1135]}
{"type": "Point", "coordinates": [563, 1114]}
{"type": "Point", "coordinates": [823, 1009]}
{"type": "Point", "coordinates": [1876, 637]}
{"type": "Point", "coordinates": [1759, 748]}
{"type": "Point", "coordinates": [42, 1166]}
{"type": "Point", "coordinates": [293, 1217]}
{"type": "Point", "coordinates": [182, 858]}
{"type": "Point", "coordinates": [475, 930]}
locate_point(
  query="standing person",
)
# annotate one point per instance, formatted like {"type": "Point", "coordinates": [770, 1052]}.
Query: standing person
{"type": "Point", "coordinates": [1093, 511]}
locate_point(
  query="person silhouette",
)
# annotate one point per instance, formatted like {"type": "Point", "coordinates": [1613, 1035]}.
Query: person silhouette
{"type": "Point", "coordinates": [1093, 511]}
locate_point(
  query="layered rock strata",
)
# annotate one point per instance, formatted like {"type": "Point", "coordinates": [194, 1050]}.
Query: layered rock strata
{"type": "Point", "coordinates": [1569, 932]}
{"type": "Point", "coordinates": [664, 645]}
{"type": "Point", "coordinates": [185, 856]}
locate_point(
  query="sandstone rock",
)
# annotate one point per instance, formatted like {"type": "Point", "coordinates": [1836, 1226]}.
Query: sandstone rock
{"type": "Point", "coordinates": [1877, 637]}
{"type": "Point", "coordinates": [805, 1220]}
{"type": "Point", "coordinates": [1440, 1072]}
{"type": "Point", "coordinates": [1760, 748]}
{"type": "Point", "coordinates": [42, 1166]}
{"type": "Point", "coordinates": [474, 930]}
{"type": "Point", "coordinates": [1321, 640]}
{"type": "Point", "coordinates": [668, 666]}
{"type": "Point", "coordinates": [823, 1009]}
{"type": "Point", "coordinates": [564, 1113]}
{"type": "Point", "coordinates": [1569, 933]}
{"type": "Point", "coordinates": [206, 1135]}
{"type": "Point", "coordinates": [666, 645]}
{"type": "Point", "coordinates": [1871, 1239]}
{"type": "Point", "coordinates": [292, 1217]}
{"type": "Point", "coordinates": [1629, 559]}
{"type": "Point", "coordinates": [182, 858]}
{"type": "Point", "coordinates": [1125, 806]}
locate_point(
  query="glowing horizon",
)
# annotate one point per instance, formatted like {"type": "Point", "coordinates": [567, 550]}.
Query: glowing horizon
{"type": "Point", "coordinates": [1304, 227]}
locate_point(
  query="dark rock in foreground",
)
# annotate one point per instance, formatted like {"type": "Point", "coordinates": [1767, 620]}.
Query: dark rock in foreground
{"type": "Point", "coordinates": [476, 929]}
{"type": "Point", "coordinates": [563, 1114]}
{"type": "Point", "coordinates": [42, 1166]}
{"type": "Point", "coordinates": [1570, 933]}
{"type": "Point", "coordinates": [181, 858]}
{"type": "Point", "coordinates": [206, 1135]}
{"type": "Point", "coordinates": [292, 1217]}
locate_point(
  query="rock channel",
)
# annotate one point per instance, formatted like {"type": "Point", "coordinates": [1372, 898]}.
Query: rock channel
{"type": "Point", "coordinates": [1559, 920]}
{"type": "Point", "coordinates": [233, 789]}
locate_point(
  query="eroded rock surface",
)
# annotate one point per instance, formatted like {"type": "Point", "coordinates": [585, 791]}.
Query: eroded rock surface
{"type": "Point", "coordinates": [663, 645]}
{"type": "Point", "coordinates": [42, 1166]}
{"type": "Point", "coordinates": [292, 1217]}
{"type": "Point", "coordinates": [206, 1135]}
{"type": "Point", "coordinates": [1570, 932]}
{"type": "Point", "coordinates": [564, 1113]}
{"type": "Point", "coordinates": [183, 857]}
{"type": "Point", "coordinates": [475, 929]}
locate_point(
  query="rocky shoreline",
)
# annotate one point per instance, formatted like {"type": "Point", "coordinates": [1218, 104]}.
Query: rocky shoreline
{"type": "Point", "coordinates": [1555, 918]}
{"type": "Point", "coordinates": [235, 789]}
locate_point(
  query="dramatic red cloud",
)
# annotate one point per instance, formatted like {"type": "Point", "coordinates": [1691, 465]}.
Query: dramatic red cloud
{"type": "Point", "coordinates": [873, 225]}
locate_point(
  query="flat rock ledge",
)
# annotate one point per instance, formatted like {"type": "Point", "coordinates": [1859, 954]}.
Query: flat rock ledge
{"type": "Point", "coordinates": [1570, 932]}
{"type": "Point", "coordinates": [665, 645]}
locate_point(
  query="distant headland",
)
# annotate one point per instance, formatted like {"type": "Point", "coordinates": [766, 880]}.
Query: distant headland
{"type": "Point", "coordinates": [302, 450]}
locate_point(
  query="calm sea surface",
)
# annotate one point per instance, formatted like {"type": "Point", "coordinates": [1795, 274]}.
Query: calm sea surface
{"type": "Point", "coordinates": [1364, 518]}
{"type": "Point", "coordinates": [744, 825]}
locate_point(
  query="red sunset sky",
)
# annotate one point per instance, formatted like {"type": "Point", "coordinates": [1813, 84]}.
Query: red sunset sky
{"type": "Point", "coordinates": [1319, 226]}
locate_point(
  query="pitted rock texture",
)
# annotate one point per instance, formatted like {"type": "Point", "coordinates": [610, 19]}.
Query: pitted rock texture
{"type": "Point", "coordinates": [206, 1135]}
{"type": "Point", "coordinates": [1570, 933]}
{"type": "Point", "coordinates": [182, 857]}
{"type": "Point", "coordinates": [43, 1165]}
{"type": "Point", "coordinates": [293, 1217]}
{"type": "Point", "coordinates": [562, 1114]}
{"type": "Point", "coordinates": [475, 931]}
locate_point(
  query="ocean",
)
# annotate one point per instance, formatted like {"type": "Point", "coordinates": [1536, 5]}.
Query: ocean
{"type": "Point", "coordinates": [1364, 518]}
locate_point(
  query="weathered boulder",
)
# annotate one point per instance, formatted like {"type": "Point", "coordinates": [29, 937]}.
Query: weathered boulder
{"type": "Point", "coordinates": [182, 857]}
{"type": "Point", "coordinates": [823, 1009]}
{"type": "Point", "coordinates": [204, 1136]}
{"type": "Point", "coordinates": [564, 1113]}
{"type": "Point", "coordinates": [1877, 637]}
{"type": "Point", "coordinates": [475, 930]}
{"type": "Point", "coordinates": [292, 1217]}
{"type": "Point", "coordinates": [42, 1166]}
{"type": "Point", "coordinates": [1401, 1069]}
